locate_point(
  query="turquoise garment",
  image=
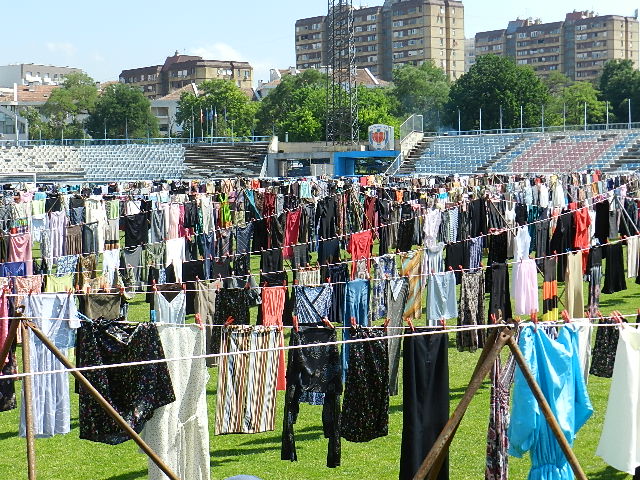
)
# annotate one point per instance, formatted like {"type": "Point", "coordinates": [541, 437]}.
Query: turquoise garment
{"type": "Point", "coordinates": [556, 367]}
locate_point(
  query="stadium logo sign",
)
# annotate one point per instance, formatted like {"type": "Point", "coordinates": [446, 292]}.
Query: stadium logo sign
{"type": "Point", "coordinates": [381, 137]}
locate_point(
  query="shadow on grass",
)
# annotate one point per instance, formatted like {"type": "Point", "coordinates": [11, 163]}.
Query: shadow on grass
{"type": "Point", "coordinates": [6, 435]}
{"type": "Point", "coordinates": [608, 474]}
{"type": "Point", "coordinates": [130, 475]}
{"type": "Point", "coordinates": [458, 393]}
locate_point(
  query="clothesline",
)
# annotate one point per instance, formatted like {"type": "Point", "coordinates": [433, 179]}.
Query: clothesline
{"type": "Point", "coordinates": [430, 331]}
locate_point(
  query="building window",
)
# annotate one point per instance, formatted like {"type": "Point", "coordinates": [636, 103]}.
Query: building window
{"type": "Point", "coordinates": [441, 31]}
{"type": "Point", "coordinates": [442, 9]}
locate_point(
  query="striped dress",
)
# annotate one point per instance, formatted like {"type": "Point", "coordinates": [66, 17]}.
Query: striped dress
{"type": "Point", "coordinates": [411, 268]}
{"type": "Point", "coordinates": [246, 400]}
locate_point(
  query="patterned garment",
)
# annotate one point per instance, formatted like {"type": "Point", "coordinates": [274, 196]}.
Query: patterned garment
{"type": "Point", "coordinates": [246, 400]}
{"type": "Point", "coordinates": [134, 393]}
{"type": "Point", "coordinates": [411, 268]}
{"type": "Point", "coordinates": [230, 302]}
{"type": "Point", "coordinates": [397, 298]}
{"type": "Point", "coordinates": [365, 408]}
{"type": "Point", "coordinates": [475, 253]}
{"type": "Point", "coordinates": [67, 265]}
{"type": "Point", "coordinates": [604, 350]}
{"type": "Point", "coordinates": [313, 303]}
{"type": "Point", "coordinates": [471, 311]}
{"type": "Point", "coordinates": [502, 376]}
{"type": "Point", "coordinates": [384, 268]}
{"type": "Point", "coordinates": [550, 290]}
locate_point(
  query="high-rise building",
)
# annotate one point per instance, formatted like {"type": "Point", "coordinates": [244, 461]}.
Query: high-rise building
{"type": "Point", "coordinates": [397, 33]}
{"type": "Point", "coordinates": [469, 53]}
{"type": "Point", "coordinates": [181, 70]}
{"type": "Point", "coordinates": [578, 47]}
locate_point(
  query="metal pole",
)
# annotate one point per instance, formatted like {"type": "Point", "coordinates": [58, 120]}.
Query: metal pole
{"type": "Point", "coordinates": [629, 103]}
{"type": "Point", "coordinates": [103, 403]}
{"type": "Point", "coordinates": [459, 123]}
{"type": "Point", "coordinates": [480, 120]}
{"type": "Point", "coordinates": [542, 118]}
{"type": "Point", "coordinates": [585, 116]}
{"type": "Point", "coordinates": [546, 410]}
{"type": "Point", "coordinates": [607, 115]}
{"type": "Point", "coordinates": [28, 402]}
{"type": "Point", "coordinates": [500, 118]}
{"type": "Point", "coordinates": [564, 117]}
{"type": "Point", "coordinates": [521, 119]}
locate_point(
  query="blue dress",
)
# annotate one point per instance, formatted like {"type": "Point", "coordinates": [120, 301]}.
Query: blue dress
{"type": "Point", "coordinates": [555, 364]}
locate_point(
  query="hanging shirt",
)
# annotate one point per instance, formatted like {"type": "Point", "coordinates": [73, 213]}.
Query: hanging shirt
{"type": "Point", "coordinates": [555, 366]}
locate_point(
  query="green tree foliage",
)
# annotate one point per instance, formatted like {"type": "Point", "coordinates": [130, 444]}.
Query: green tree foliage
{"type": "Point", "coordinates": [122, 111]}
{"type": "Point", "coordinates": [225, 110]}
{"type": "Point", "coordinates": [422, 90]}
{"type": "Point", "coordinates": [619, 82]}
{"type": "Point", "coordinates": [38, 128]}
{"type": "Point", "coordinates": [376, 105]}
{"type": "Point", "coordinates": [77, 96]}
{"type": "Point", "coordinates": [493, 82]}
{"type": "Point", "coordinates": [573, 98]}
{"type": "Point", "coordinates": [298, 106]}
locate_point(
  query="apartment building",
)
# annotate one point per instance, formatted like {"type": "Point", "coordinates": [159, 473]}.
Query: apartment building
{"type": "Point", "coordinates": [469, 53]}
{"type": "Point", "coordinates": [578, 47]}
{"type": "Point", "coordinates": [179, 71]}
{"type": "Point", "coordinates": [33, 74]}
{"type": "Point", "coordinates": [397, 33]}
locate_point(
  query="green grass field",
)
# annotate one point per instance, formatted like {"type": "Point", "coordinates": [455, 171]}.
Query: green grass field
{"type": "Point", "coordinates": [69, 458]}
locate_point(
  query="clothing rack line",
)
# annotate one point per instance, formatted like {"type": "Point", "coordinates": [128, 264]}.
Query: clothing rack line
{"type": "Point", "coordinates": [431, 331]}
{"type": "Point", "coordinates": [232, 255]}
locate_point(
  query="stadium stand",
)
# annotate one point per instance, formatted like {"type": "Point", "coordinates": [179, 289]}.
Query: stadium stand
{"type": "Point", "coordinates": [132, 162]}
{"type": "Point", "coordinates": [47, 162]}
{"type": "Point", "coordinates": [225, 160]}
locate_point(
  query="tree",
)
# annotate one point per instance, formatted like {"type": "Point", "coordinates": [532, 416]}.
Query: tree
{"type": "Point", "coordinates": [575, 96]}
{"type": "Point", "coordinates": [493, 83]}
{"type": "Point", "coordinates": [122, 111]}
{"type": "Point", "coordinates": [619, 82]}
{"type": "Point", "coordinates": [77, 96]}
{"type": "Point", "coordinates": [38, 128]}
{"type": "Point", "coordinates": [297, 106]}
{"type": "Point", "coordinates": [376, 105]}
{"type": "Point", "coordinates": [423, 90]}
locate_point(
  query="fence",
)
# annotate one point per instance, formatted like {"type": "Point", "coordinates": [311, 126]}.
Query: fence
{"type": "Point", "coordinates": [81, 142]}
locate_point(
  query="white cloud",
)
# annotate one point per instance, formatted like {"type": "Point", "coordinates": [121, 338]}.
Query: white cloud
{"type": "Point", "coordinates": [65, 48]}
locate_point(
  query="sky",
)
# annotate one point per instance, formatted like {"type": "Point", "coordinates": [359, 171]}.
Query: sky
{"type": "Point", "coordinates": [104, 38]}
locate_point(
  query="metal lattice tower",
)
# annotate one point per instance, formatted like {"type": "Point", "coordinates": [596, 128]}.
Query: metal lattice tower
{"type": "Point", "coordinates": [342, 94]}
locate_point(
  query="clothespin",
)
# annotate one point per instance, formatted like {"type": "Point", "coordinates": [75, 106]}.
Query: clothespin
{"type": "Point", "coordinates": [565, 316]}
{"type": "Point", "coordinates": [443, 323]}
{"type": "Point", "coordinates": [70, 292]}
{"type": "Point", "coordinates": [450, 268]}
{"type": "Point", "coordinates": [534, 319]}
{"type": "Point", "coordinates": [229, 321]}
{"type": "Point", "coordinates": [284, 283]}
{"type": "Point", "coordinates": [386, 323]}
{"type": "Point", "coordinates": [353, 322]}
{"type": "Point", "coordinates": [184, 287]}
{"type": "Point", "coordinates": [460, 268]}
{"type": "Point", "coordinates": [295, 282]}
{"type": "Point", "coordinates": [198, 320]}
{"type": "Point", "coordinates": [327, 323]}
{"type": "Point", "coordinates": [411, 325]}
{"type": "Point", "coordinates": [295, 323]}
{"type": "Point", "coordinates": [154, 286]}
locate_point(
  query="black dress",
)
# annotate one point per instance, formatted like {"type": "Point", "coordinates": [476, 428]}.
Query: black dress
{"type": "Point", "coordinates": [614, 280]}
{"type": "Point", "coordinates": [604, 350]}
{"type": "Point", "coordinates": [425, 374]}
{"type": "Point", "coordinates": [135, 392]}
{"type": "Point", "coordinates": [365, 408]}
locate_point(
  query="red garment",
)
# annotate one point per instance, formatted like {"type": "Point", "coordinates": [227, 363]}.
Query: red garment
{"type": "Point", "coordinates": [291, 232]}
{"type": "Point", "coordinates": [272, 308]}
{"type": "Point", "coordinates": [360, 247]}
{"type": "Point", "coordinates": [370, 214]}
{"type": "Point", "coordinates": [581, 240]}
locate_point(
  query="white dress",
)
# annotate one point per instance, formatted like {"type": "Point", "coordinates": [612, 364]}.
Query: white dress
{"type": "Point", "coordinates": [179, 432]}
{"type": "Point", "coordinates": [620, 443]}
{"type": "Point", "coordinates": [173, 311]}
